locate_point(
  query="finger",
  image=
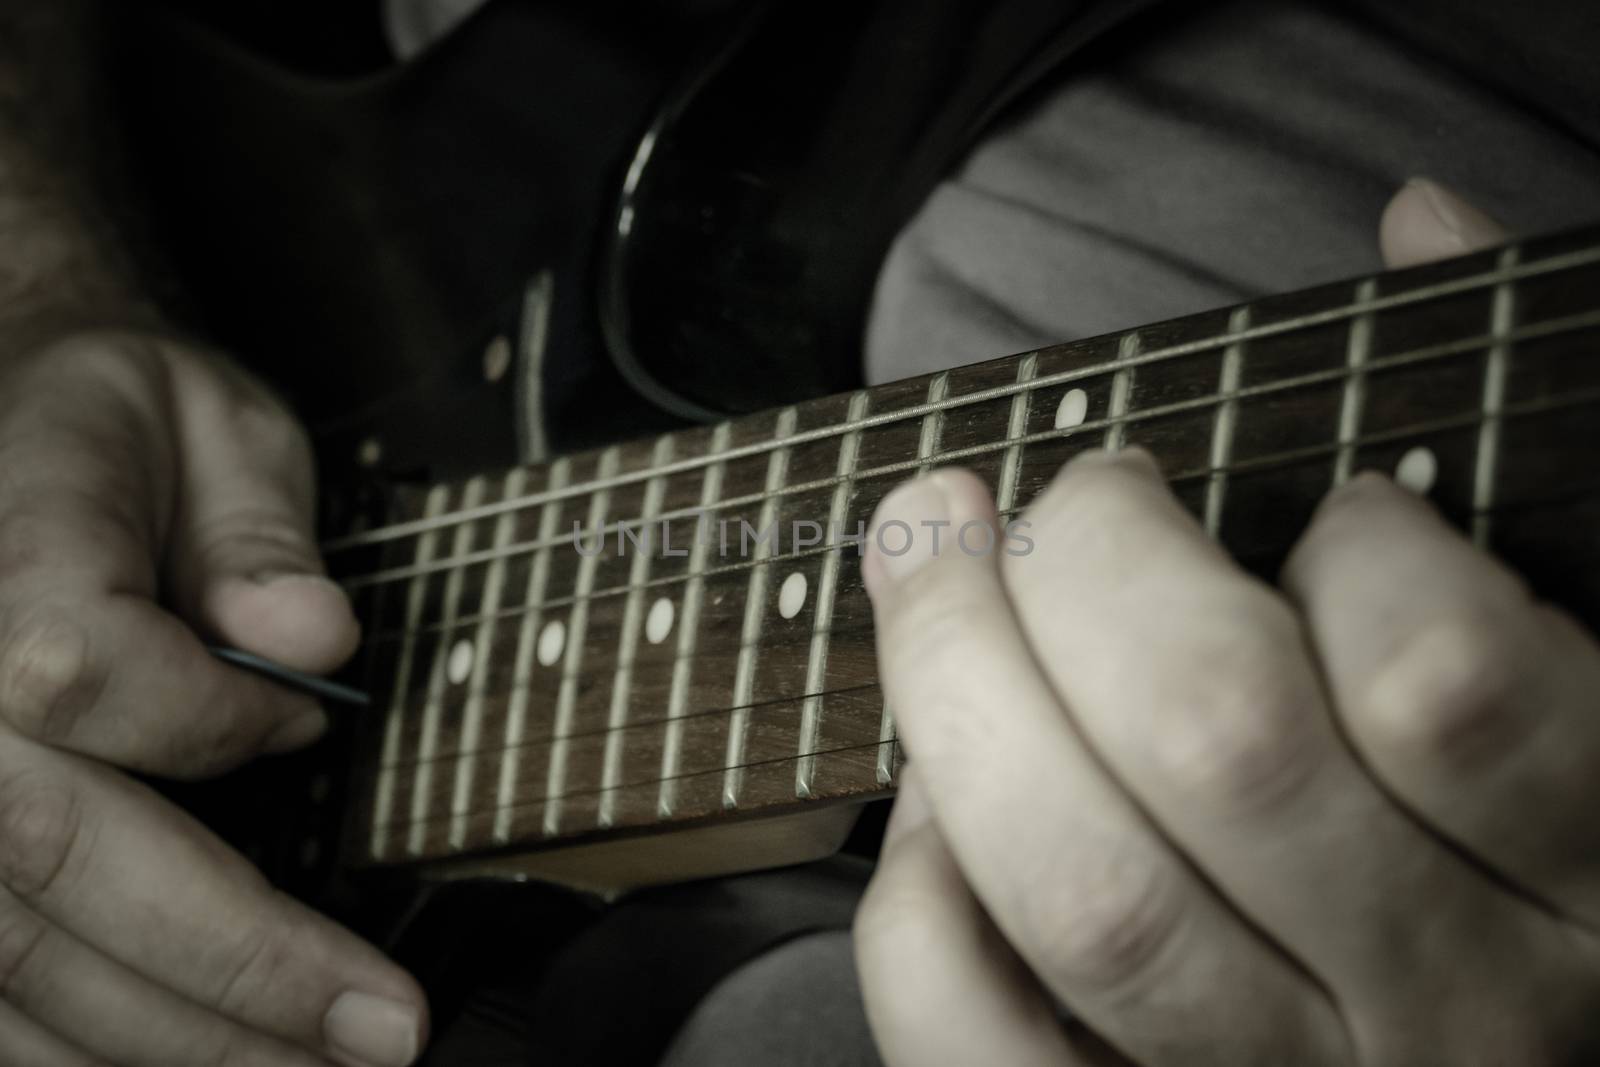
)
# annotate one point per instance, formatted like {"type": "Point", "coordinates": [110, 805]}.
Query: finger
{"type": "Point", "coordinates": [111, 1011]}
{"type": "Point", "coordinates": [87, 660]}
{"type": "Point", "coordinates": [941, 985]}
{"type": "Point", "coordinates": [1426, 222]}
{"type": "Point", "coordinates": [243, 559]}
{"type": "Point", "coordinates": [116, 678]}
{"type": "Point", "coordinates": [1112, 921]}
{"type": "Point", "coordinates": [1472, 702]}
{"type": "Point", "coordinates": [105, 859]}
{"type": "Point", "coordinates": [1191, 681]}
{"type": "Point", "coordinates": [24, 1043]}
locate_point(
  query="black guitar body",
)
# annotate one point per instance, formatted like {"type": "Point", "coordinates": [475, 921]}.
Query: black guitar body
{"type": "Point", "coordinates": [678, 209]}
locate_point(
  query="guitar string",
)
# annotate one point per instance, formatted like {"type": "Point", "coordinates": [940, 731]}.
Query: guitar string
{"type": "Point", "coordinates": [402, 824]}
{"type": "Point", "coordinates": [1482, 282]}
{"type": "Point", "coordinates": [1266, 462]}
{"type": "Point", "coordinates": [1270, 462]}
{"type": "Point", "coordinates": [699, 715]}
{"type": "Point", "coordinates": [1433, 353]}
{"type": "Point", "coordinates": [778, 701]}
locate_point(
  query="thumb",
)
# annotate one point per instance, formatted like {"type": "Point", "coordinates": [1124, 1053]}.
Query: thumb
{"type": "Point", "coordinates": [242, 561]}
{"type": "Point", "coordinates": [1427, 221]}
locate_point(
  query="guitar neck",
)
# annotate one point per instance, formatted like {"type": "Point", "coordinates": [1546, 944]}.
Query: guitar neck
{"type": "Point", "coordinates": [675, 630]}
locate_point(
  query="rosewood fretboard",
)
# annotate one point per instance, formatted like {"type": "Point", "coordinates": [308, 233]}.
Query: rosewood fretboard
{"type": "Point", "coordinates": [529, 693]}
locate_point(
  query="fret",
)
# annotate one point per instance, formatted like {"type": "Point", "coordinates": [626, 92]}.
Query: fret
{"type": "Point", "coordinates": [1121, 392]}
{"type": "Point", "coordinates": [572, 663]}
{"type": "Point", "coordinates": [932, 431]}
{"type": "Point", "coordinates": [1021, 405]}
{"type": "Point", "coordinates": [810, 712]}
{"type": "Point", "coordinates": [689, 630]}
{"type": "Point", "coordinates": [1224, 425]}
{"type": "Point", "coordinates": [628, 641]}
{"type": "Point", "coordinates": [1357, 351]}
{"type": "Point", "coordinates": [1502, 321]}
{"type": "Point", "coordinates": [527, 645]}
{"type": "Point", "coordinates": [933, 421]}
{"type": "Point", "coordinates": [483, 647]}
{"type": "Point", "coordinates": [755, 608]}
{"type": "Point", "coordinates": [416, 593]}
{"type": "Point", "coordinates": [427, 750]}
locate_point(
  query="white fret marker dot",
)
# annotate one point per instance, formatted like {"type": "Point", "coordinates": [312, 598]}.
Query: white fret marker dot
{"type": "Point", "coordinates": [551, 640]}
{"type": "Point", "coordinates": [1074, 408]}
{"type": "Point", "coordinates": [658, 624]}
{"type": "Point", "coordinates": [458, 668]}
{"type": "Point", "coordinates": [792, 597]}
{"type": "Point", "coordinates": [1417, 470]}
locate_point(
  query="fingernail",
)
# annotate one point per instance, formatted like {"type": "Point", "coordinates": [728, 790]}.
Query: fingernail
{"type": "Point", "coordinates": [1130, 457]}
{"type": "Point", "coordinates": [911, 527]}
{"type": "Point", "coordinates": [295, 577]}
{"type": "Point", "coordinates": [1471, 227]}
{"type": "Point", "coordinates": [375, 1031]}
{"type": "Point", "coordinates": [296, 733]}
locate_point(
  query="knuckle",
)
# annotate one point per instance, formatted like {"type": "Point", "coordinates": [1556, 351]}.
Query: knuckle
{"type": "Point", "coordinates": [259, 959]}
{"type": "Point", "coordinates": [1448, 694]}
{"type": "Point", "coordinates": [1087, 493]}
{"type": "Point", "coordinates": [261, 420]}
{"type": "Point", "coordinates": [1098, 512]}
{"type": "Point", "coordinates": [210, 743]}
{"type": "Point", "coordinates": [1107, 930]}
{"type": "Point", "coordinates": [41, 824]}
{"type": "Point", "coordinates": [22, 932]}
{"type": "Point", "coordinates": [26, 538]}
{"type": "Point", "coordinates": [266, 963]}
{"type": "Point", "coordinates": [45, 674]}
{"type": "Point", "coordinates": [122, 360]}
{"type": "Point", "coordinates": [254, 533]}
{"type": "Point", "coordinates": [1242, 736]}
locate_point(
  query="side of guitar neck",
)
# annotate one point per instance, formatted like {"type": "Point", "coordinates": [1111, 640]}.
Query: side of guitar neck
{"type": "Point", "coordinates": [673, 632]}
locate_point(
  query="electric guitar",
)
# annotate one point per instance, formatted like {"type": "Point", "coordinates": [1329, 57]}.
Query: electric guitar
{"type": "Point", "coordinates": [582, 667]}
{"type": "Point", "coordinates": [598, 671]}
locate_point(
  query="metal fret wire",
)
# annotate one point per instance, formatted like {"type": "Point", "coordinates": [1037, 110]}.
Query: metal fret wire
{"type": "Point", "coordinates": [1457, 422]}
{"type": "Point", "coordinates": [1467, 347]}
{"type": "Point", "coordinates": [1488, 280]}
{"type": "Point", "coordinates": [1502, 314]}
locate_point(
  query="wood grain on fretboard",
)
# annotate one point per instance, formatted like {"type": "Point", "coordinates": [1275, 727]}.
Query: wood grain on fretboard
{"type": "Point", "coordinates": [526, 697]}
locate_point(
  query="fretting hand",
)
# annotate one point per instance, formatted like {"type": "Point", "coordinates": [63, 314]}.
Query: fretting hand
{"type": "Point", "coordinates": [1347, 821]}
{"type": "Point", "coordinates": [151, 494]}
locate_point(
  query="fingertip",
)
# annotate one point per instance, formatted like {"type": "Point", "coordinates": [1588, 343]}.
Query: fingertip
{"type": "Point", "coordinates": [924, 519]}
{"type": "Point", "coordinates": [1426, 221]}
{"type": "Point", "coordinates": [364, 1029]}
{"type": "Point", "coordinates": [303, 621]}
{"type": "Point", "coordinates": [968, 493]}
{"type": "Point", "coordinates": [1133, 458]}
